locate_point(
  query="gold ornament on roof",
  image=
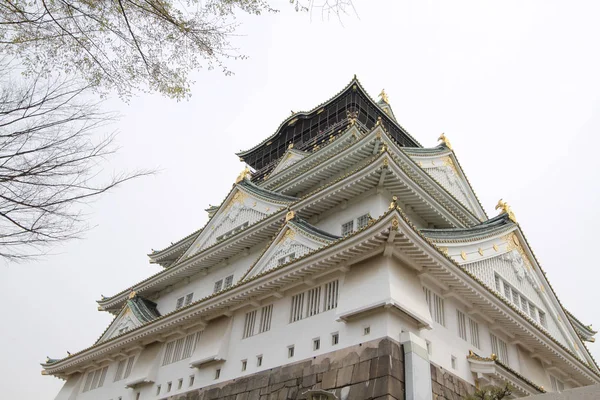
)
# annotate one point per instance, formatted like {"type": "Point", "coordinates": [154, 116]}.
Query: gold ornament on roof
{"type": "Point", "coordinates": [291, 145]}
{"type": "Point", "coordinates": [378, 121]}
{"type": "Point", "coordinates": [352, 116]}
{"type": "Point", "coordinates": [444, 139]}
{"type": "Point", "coordinates": [132, 294]}
{"type": "Point", "coordinates": [290, 215]}
{"type": "Point", "coordinates": [393, 204]}
{"type": "Point", "coordinates": [245, 174]}
{"type": "Point", "coordinates": [493, 356]}
{"type": "Point", "coordinates": [505, 208]}
{"type": "Point", "coordinates": [384, 97]}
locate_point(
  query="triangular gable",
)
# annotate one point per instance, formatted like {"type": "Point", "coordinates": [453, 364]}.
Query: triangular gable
{"type": "Point", "coordinates": [290, 157]}
{"type": "Point", "coordinates": [245, 205]}
{"type": "Point", "coordinates": [136, 312]}
{"type": "Point", "coordinates": [503, 261]}
{"type": "Point", "coordinates": [296, 239]}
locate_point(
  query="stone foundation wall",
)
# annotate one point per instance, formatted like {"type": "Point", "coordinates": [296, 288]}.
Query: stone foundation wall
{"type": "Point", "coordinates": [446, 386]}
{"type": "Point", "coordinates": [372, 370]}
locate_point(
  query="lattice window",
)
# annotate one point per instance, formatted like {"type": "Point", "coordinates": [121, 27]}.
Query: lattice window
{"type": "Point", "coordinates": [362, 221]}
{"type": "Point", "coordinates": [266, 314]}
{"type": "Point", "coordinates": [499, 348]}
{"type": "Point", "coordinates": [249, 323]}
{"type": "Point", "coordinates": [179, 303]}
{"type": "Point", "coordinates": [124, 368]}
{"type": "Point", "coordinates": [331, 295]}
{"type": "Point", "coordinates": [218, 286]}
{"type": "Point", "coordinates": [347, 228]}
{"type": "Point", "coordinates": [297, 307]}
{"type": "Point", "coordinates": [232, 232]}
{"type": "Point", "coordinates": [462, 324]}
{"type": "Point", "coordinates": [313, 301]}
{"type": "Point", "coordinates": [228, 281]}
{"type": "Point", "coordinates": [542, 316]}
{"type": "Point", "coordinates": [188, 299]}
{"type": "Point", "coordinates": [520, 301]}
{"type": "Point", "coordinates": [474, 330]}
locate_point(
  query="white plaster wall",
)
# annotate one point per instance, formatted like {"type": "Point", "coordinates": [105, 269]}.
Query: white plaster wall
{"type": "Point", "coordinates": [534, 369]}
{"type": "Point", "coordinates": [203, 286]}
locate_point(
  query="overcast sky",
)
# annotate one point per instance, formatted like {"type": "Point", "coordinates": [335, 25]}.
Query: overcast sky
{"type": "Point", "coordinates": [513, 84]}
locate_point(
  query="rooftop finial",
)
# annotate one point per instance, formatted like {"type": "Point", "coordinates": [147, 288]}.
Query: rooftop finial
{"type": "Point", "coordinates": [445, 140]}
{"type": "Point", "coordinates": [243, 175]}
{"type": "Point", "coordinates": [384, 97]}
{"type": "Point", "coordinates": [394, 203]}
{"type": "Point", "coordinates": [132, 294]}
{"type": "Point", "coordinates": [505, 208]}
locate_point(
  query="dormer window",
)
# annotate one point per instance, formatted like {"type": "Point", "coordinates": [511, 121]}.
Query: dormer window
{"type": "Point", "coordinates": [286, 259]}
{"type": "Point", "coordinates": [359, 223]}
{"type": "Point", "coordinates": [224, 283]}
{"type": "Point", "coordinates": [184, 300]}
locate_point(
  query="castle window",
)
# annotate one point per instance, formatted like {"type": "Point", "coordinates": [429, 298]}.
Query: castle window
{"type": "Point", "coordinates": [180, 349]}
{"type": "Point", "coordinates": [180, 383]}
{"type": "Point", "coordinates": [428, 344]}
{"type": "Point", "coordinates": [218, 373]}
{"type": "Point", "coordinates": [331, 295]}
{"type": "Point", "coordinates": [191, 380]}
{"type": "Point", "coordinates": [462, 325]}
{"type": "Point", "coordinates": [259, 360]}
{"type": "Point", "coordinates": [335, 338]}
{"type": "Point", "coordinates": [218, 286]}
{"type": "Point", "coordinates": [436, 306]}
{"type": "Point", "coordinates": [347, 228]}
{"type": "Point", "coordinates": [521, 302]}
{"type": "Point", "coordinates": [228, 281]}
{"type": "Point", "coordinates": [169, 386]}
{"type": "Point", "coordinates": [179, 303]}
{"type": "Point", "coordinates": [265, 318]}
{"type": "Point", "coordinates": [362, 221]}
{"type": "Point", "coordinates": [453, 362]}
{"type": "Point", "coordinates": [286, 259]}
{"type": "Point", "coordinates": [499, 348]}
{"type": "Point", "coordinates": [313, 303]}
{"type": "Point", "coordinates": [157, 390]}
{"type": "Point", "coordinates": [542, 316]}
{"type": "Point", "coordinates": [290, 351]}
{"type": "Point", "coordinates": [474, 330]}
{"type": "Point", "coordinates": [249, 324]}
{"type": "Point", "coordinates": [366, 330]}
{"type": "Point", "coordinates": [316, 344]}
{"type": "Point", "coordinates": [124, 368]}
{"type": "Point", "coordinates": [297, 307]}
{"type": "Point", "coordinates": [232, 232]}
{"type": "Point", "coordinates": [184, 300]}
{"type": "Point", "coordinates": [188, 299]}
{"type": "Point", "coordinates": [95, 379]}
{"type": "Point", "coordinates": [244, 365]}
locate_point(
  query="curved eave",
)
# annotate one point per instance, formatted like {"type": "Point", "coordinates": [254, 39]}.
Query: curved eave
{"type": "Point", "coordinates": [174, 251]}
{"type": "Point", "coordinates": [586, 330]}
{"type": "Point", "coordinates": [527, 386]}
{"type": "Point", "coordinates": [306, 114]}
{"type": "Point", "coordinates": [492, 227]}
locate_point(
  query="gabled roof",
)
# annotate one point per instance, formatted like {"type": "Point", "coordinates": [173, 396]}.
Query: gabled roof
{"type": "Point", "coordinates": [142, 309]}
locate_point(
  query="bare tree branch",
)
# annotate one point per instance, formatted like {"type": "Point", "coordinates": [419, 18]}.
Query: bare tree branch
{"type": "Point", "coordinates": [50, 164]}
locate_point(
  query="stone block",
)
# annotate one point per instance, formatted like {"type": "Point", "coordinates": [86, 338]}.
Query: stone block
{"type": "Point", "coordinates": [254, 394]}
{"type": "Point", "coordinates": [258, 381]}
{"type": "Point", "coordinates": [397, 369]}
{"type": "Point", "coordinates": [292, 393]}
{"type": "Point", "coordinates": [275, 387]}
{"type": "Point", "coordinates": [368, 353]}
{"type": "Point", "coordinates": [212, 394]}
{"type": "Point", "coordinates": [384, 348]}
{"type": "Point", "coordinates": [309, 380]}
{"type": "Point", "coordinates": [361, 371]}
{"type": "Point", "coordinates": [329, 379]}
{"type": "Point", "coordinates": [290, 383]}
{"type": "Point", "coordinates": [363, 390]}
{"type": "Point", "coordinates": [242, 396]}
{"type": "Point", "coordinates": [344, 376]}
{"type": "Point", "coordinates": [282, 394]}
{"type": "Point", "coordinates": [350, 359]}
{"type": "Point", "coordinates": [380, 366]}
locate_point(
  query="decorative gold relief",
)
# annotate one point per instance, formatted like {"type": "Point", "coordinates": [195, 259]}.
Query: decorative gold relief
{"type": "Point", "coordinates": [463, 255]}
{"type": "Point", "coordinates": [505, 208]}
{"type": "Point", "coordinates": [290, 215]}
{"type": "Point", "coordinates": [495, 247]}
{"type": "Point", "coordinates": [480, 251]}
{"type": "Point", "coordinates": [238, 198]}
{"type": "Point", "coordinates": [379, 122]}
{"type": "Point", "coordinates": [395, 224]}
{"type": "Point", "coordinates": [245, 174]}
{"type": "Point", "coordinates": [444, 250]}
{"type": "Point", "coordinates": [267, 209]}
{"type": "Point", "coordinates": [383, 148]}
{"type": "Point", "coordinates": [385, 162]}
{"type": "Point", "coordinates": [493, 356]}
{"type": "Point", "coordinates": [291, 145]}
{"type": "Point", "coordinates": [448, 162]}
{"type": "Point", "coordinates": [444, 139]}
{"type": "Point", "coordinates": [289, 234]}
{"type": "Point", "coordinates": [132, 294]}
{"type": "Point", "coordinates": [384, 97]}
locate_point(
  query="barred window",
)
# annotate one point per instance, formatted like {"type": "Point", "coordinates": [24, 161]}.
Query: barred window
{"type": "Point", "coordinates": [180, 349]}
{"type": "Point", "coordinates": [179, 303]}
{"type": "Point", "coordinates": [499, 348]}
{"type": "Point", "coordinates": [313, 303]}
{"type": "Point", "coordinates": [474, 330]}
{"type": "Point", "coordinates": [218, 286]}
{"type": "Point", "coordinates": [542, 316]}
{"type": "Point", "coordinates": [95, 379]}
{"type": "Point", "coordinates": [228, 281]}
{"type": "Point", "coordinates": [462, 325]}
{"type": "Point", "coordinates": [297, 307]}
{"type": "Point", "coordinates": [249, 324]}
{"type": "Point", "coordinates": [436, 306]}
{"type": "Point", "coordinates": [188, 299]}
{"type": "Point", "coordinates": [124, 368]}
{"type": "Point", "coordinates": [265, 318]}
{"type": "Point", "coordinates": [331, 295]}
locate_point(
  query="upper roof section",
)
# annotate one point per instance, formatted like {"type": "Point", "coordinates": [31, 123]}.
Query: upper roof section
{"type": "Point", "coordinates": [307, 129]}
{"type": "Point", "coordinates": [492, 226]}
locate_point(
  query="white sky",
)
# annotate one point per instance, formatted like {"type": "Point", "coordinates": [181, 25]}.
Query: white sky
{"type": "Point", "coordinates": [513, 84]}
